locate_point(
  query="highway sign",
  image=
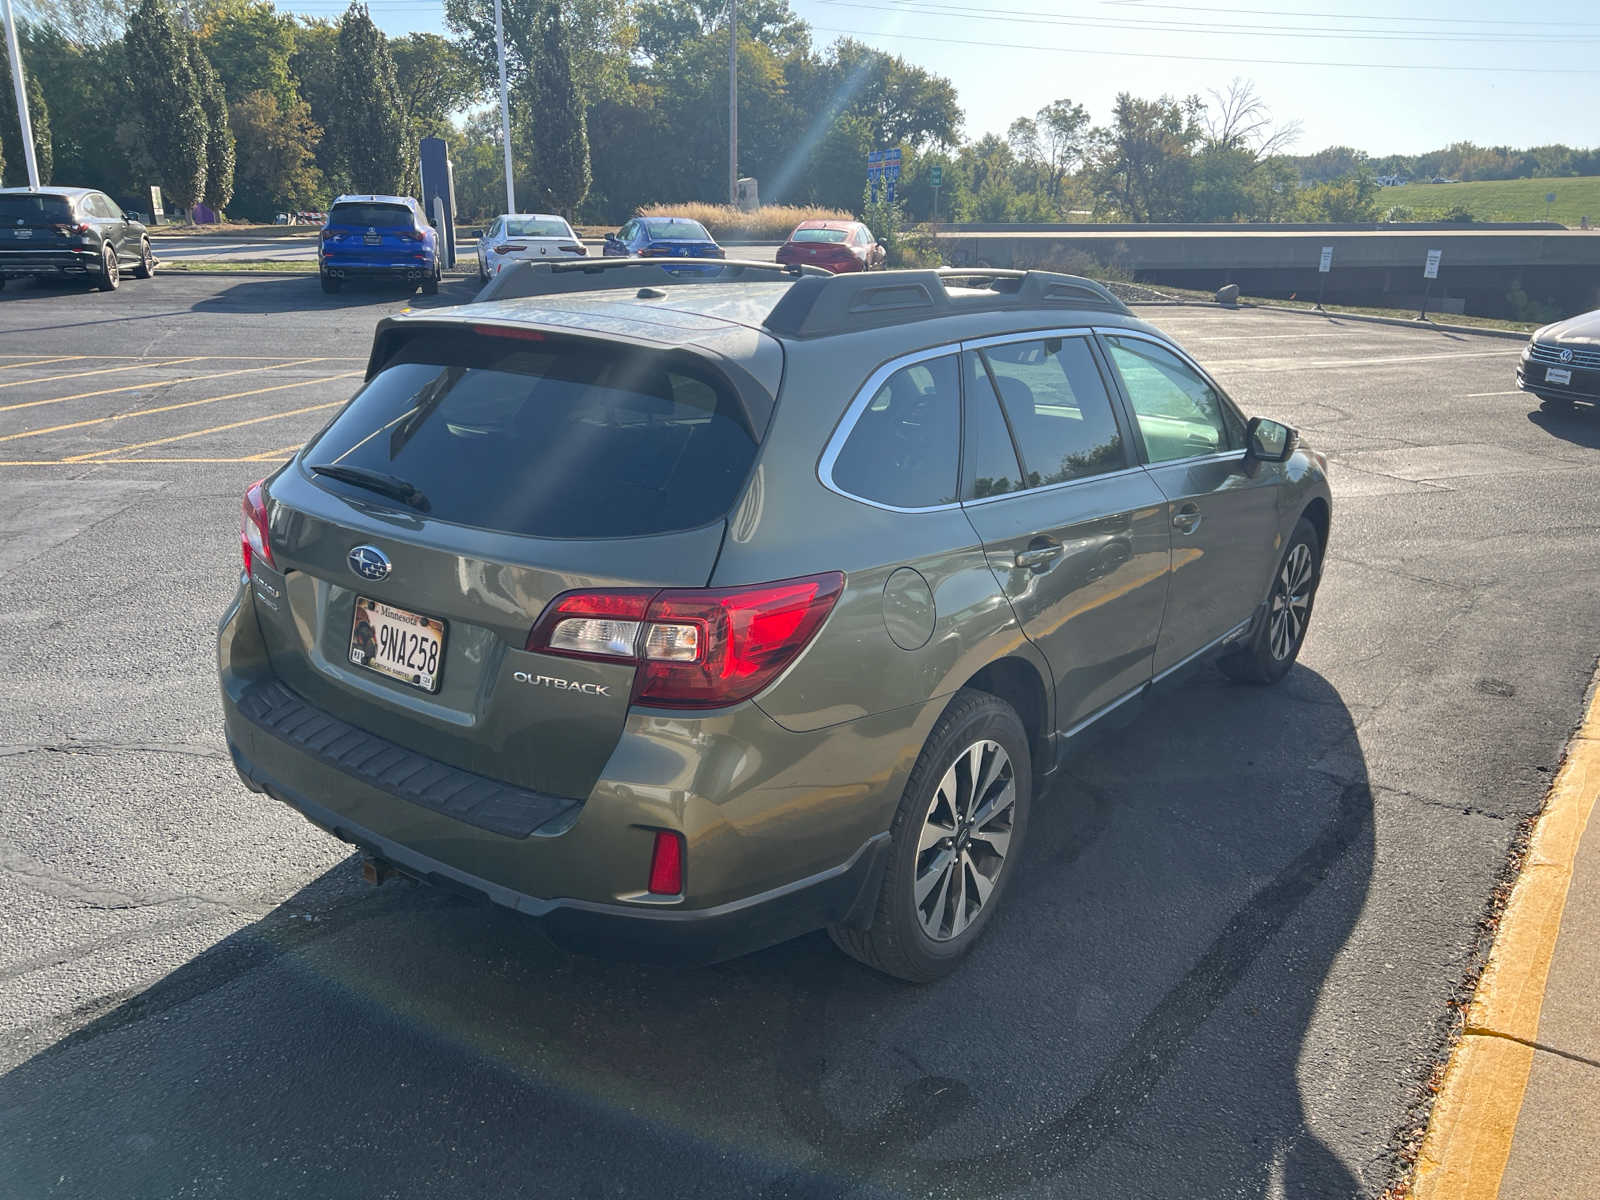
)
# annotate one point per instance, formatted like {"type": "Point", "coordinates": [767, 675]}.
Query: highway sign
{"type": "Point", "coordinates": [936, 176]}
{"type": "Point", "coordinates": [1326, 263]}
{"type": "Point", "coordinates": [1431, 271]}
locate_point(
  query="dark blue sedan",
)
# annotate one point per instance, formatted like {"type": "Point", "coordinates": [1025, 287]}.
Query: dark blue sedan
{"type": "Point", "coordinates": [663, 237]}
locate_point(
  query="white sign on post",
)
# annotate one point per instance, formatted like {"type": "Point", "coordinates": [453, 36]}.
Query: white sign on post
{"type": "Point", "coordinates": [1431, 271]}
{"type": "Point", "coordinates": [1326, 263]}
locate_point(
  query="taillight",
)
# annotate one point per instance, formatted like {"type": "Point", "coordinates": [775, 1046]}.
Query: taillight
{"type": "Point", "coordinates": [569, 249]}
{"type": "Point", "coordinates": [694, 647]}
{"type": "Point", "coordinates": [652, 252]}
{"type": "Point", "coordinates": [666, 864]}
{"type": "Point", "coordinates": [81, 228]}
{"type": "Point", "coordinates": [507, 248]}
{"type": "Point", "coordinates": [253, 526]}
{"type": "Point", "coordinates": [410, 235]}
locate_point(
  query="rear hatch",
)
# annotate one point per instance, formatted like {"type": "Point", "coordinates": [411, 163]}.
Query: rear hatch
{"type": "Point", "coordinates": [532, 466]}
{"type": "Point", "coordinates": [371, 230]}
{"type": "Point", "coordinates": [823, 247]}
{"type": "Point", "coordinates": [35, 222]}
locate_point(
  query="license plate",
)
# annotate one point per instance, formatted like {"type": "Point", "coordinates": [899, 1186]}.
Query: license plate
{"type": "Point", "coordinates": [22, 233]}
{"type": "Point", "coordinates": [372, 239]}
{"type": "Point", "coordinates": [398, 643]}
{"type": "Point", "coordinates": [1559, 375]}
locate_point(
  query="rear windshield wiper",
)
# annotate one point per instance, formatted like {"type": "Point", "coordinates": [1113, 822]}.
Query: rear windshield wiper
{"type": "Point", "coordinates": [376, 481]}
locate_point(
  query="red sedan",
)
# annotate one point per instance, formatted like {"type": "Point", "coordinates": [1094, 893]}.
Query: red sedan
{"type": "Point", "coordinates": [837, 246]}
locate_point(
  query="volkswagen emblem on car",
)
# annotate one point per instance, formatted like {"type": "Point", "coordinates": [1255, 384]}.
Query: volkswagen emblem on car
{"type": "Point", "coordinates": [370, 563]}
{"type": "Point", "coordinates": [1566, 356]}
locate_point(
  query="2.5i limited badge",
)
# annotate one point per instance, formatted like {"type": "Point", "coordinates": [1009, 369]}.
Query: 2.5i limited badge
{"type": "Point", "coordinates": [562, 685]}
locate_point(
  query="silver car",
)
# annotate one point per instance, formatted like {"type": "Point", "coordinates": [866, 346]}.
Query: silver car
{"type": "Point", "coordinates": [525, 237]}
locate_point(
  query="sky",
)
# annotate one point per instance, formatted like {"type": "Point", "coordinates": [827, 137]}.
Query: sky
{"type": "Point", "coordinates": [1395, 78]}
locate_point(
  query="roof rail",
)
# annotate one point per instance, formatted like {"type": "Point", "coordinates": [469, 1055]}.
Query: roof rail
{"type": "Point", "coordinates": [600, 274]}
{"type": "Point", "coordinates": [839, 303]}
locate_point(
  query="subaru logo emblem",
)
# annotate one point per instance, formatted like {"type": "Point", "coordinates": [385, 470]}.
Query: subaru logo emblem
{"type": "Point", "coordinates": [370, 563]}
{"type": "Point", "coordinates": [1566, 356]}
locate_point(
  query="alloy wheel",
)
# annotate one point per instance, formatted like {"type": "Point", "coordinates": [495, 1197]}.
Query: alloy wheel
{"type": "Point", "coordinates": [965, 837]}
{"type": "Point", "coordinates": [1291, 602]}
{"type": "Point", "coordinates": [113, 268]}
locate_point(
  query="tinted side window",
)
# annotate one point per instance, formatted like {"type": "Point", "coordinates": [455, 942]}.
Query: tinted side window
{"type": "Point", "coordinates": [903, 447]}
{"type": "Point", "coordinates": [1059, 409]}
{"type": "Point", "coordinates": [1180, 415]}
{"type": "Point", "coordinates": [989, 460]}
{"type": "Point", "coordinates": [108, 207]}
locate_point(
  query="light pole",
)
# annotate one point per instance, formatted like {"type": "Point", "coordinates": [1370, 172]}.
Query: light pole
{"type": "Point", "coordinates": [505, 105]}
{"type": "Point", "coordinates": [733, 101]}
{"type": "Point", "coordinates": [22, 96]}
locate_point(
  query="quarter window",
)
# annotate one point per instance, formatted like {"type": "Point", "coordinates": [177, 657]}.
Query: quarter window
{"type": "Point", "coordinates": [903, 449]}
{"type": "Point", "coordinates": [1058, 408]}
{"type": "Point", "coordinates": [1180, 415]}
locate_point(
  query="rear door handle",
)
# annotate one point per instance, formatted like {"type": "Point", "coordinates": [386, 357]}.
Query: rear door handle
{"type": "Point", "coordinates": [1037, 556]}
{"type": "Point", "coordinates": [1187, 519]}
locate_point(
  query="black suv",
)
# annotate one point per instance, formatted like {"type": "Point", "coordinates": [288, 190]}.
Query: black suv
{"type": "Point", "coordinates": [55, 232]}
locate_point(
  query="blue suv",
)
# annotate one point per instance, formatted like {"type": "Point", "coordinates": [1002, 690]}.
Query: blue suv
{"type": "Point", "coordinates": [379, 236]}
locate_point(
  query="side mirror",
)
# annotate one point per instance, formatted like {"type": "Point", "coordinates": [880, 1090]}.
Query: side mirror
{"type": "Point", "coordinates": [611, 237]}
{"type": "Point", "coordinates": [473, 234]}
{"type": "Point", "coordinates": [1269, 441]}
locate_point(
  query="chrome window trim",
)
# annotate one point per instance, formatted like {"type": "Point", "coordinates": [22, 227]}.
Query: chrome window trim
{"type": "Point", "coordinates": [847, 425]}
{"type": "Point", "coordinates": [847, 422]}
{"type": "Point", "coordinates": [1044, 489]}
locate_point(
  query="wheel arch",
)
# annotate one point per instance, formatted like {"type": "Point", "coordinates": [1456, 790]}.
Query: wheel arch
{"type": "Point", "coordinates": [1018, 682]}
{"type": "Point", "coordinates": [1318, 513]}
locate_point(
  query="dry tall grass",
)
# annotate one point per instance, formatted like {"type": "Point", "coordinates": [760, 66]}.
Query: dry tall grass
{"type": "Point", "coordinates": [773, 222]}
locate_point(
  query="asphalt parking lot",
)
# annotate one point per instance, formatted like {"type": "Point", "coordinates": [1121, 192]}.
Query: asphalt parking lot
{"type": "Point", "coordinates": [1225, 970]}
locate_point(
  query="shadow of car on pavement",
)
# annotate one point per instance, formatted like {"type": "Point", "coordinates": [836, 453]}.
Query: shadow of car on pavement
{"type": "Point", "coordinates": [1133, 1024]}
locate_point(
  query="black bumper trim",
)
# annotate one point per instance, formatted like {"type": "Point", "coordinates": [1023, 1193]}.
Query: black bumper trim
{"type": "Point", "coordinates": [846, 894]}
{"type": "Point", "coordinates": [379, 763]}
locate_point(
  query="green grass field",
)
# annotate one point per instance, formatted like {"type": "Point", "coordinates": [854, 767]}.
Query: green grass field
{"type": "Point", "coordinates": [1501, 199]}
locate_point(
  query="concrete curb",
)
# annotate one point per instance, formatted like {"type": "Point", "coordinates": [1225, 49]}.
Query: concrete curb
{"type": "Point", "coordinates": [1364, 318]}
{"type": "Point", "coordinates": [1401, 322]}
{"type": "Point", "coordinates": [1470, 1130]}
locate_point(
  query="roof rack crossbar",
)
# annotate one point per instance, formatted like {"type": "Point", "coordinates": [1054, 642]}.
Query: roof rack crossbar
{"type": "Point", "coordinates": [831, 304]}
{"type": "Point", "coordinates": [600, 274]}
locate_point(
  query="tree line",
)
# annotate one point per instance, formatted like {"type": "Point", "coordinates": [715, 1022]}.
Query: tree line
{"type": "Point", "coordinates": [618, 103]}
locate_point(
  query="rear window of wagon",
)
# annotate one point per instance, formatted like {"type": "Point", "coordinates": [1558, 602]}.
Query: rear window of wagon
{"type": "Point", "coordinates": [559, 439]}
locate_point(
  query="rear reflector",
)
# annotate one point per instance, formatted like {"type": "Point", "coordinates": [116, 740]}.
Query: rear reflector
{"type": "Point", "coordinates": [694, 647]}
{"type": "Point", "coordinates": [253, 526]}
{"type": "Point", "coordinates": [666, 864]}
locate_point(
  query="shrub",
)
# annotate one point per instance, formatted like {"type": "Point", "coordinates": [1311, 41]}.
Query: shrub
{"type": "Point", "coordinates": [1460, 214]}
{"type": "Point", "coordinates": [1400, 212]}
{"type": "Point", "coordinates": [772, 222]}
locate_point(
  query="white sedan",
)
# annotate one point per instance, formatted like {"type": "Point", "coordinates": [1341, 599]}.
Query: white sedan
{"type": "Point", "coordinates": [525, 237]}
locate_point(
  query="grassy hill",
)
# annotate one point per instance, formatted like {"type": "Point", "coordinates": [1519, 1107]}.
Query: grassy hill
{"type": "Point", "coordinates": [1501, 199]}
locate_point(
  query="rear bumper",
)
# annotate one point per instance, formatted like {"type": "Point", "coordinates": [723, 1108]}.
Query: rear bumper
{"type": "Point", "coordinates": [353, 269]}
{"type": "Point", "coordinates": [49, 262]}
{"type": "Point", "coordinates": [845, 895]}
{"type": "Point", "coordinates": [785, 832]}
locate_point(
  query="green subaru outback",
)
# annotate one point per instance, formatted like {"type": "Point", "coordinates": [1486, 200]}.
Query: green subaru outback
{"type": "Point", "coordinates": [691, 612]}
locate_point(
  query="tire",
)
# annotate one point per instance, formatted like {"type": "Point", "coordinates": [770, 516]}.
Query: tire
{"type": "Point", "coordinates": [1275, 644]}
{"type": "Point", "coordinates": [430, 285]}
{"type": "Point", "coordinates": [110, 271]}
{"type": "Point", "coordinates": [147, 261]}
{"type": "Point", "coordinates": [329, 283]}
{"type": "Point", "coordinates": [978, 734]}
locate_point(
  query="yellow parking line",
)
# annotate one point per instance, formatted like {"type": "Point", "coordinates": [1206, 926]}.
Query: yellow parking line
{"type": "Point", "coordinates": [1470, 1130]}
{"type": "Point", "coordinates": [134, 387]}
{"type": "Point", "coordinates": [149, 412]}
{"type": "Point", "coordinates": [139, 366]}
{"type": "Point", "coordinates": [102, 462]}
{"type": "Point", "coordinates": [94, 455]}
{"type": "Point", "coordinates": [270, 454]}
{"type": "Point", "coordinates": [44, 362]}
